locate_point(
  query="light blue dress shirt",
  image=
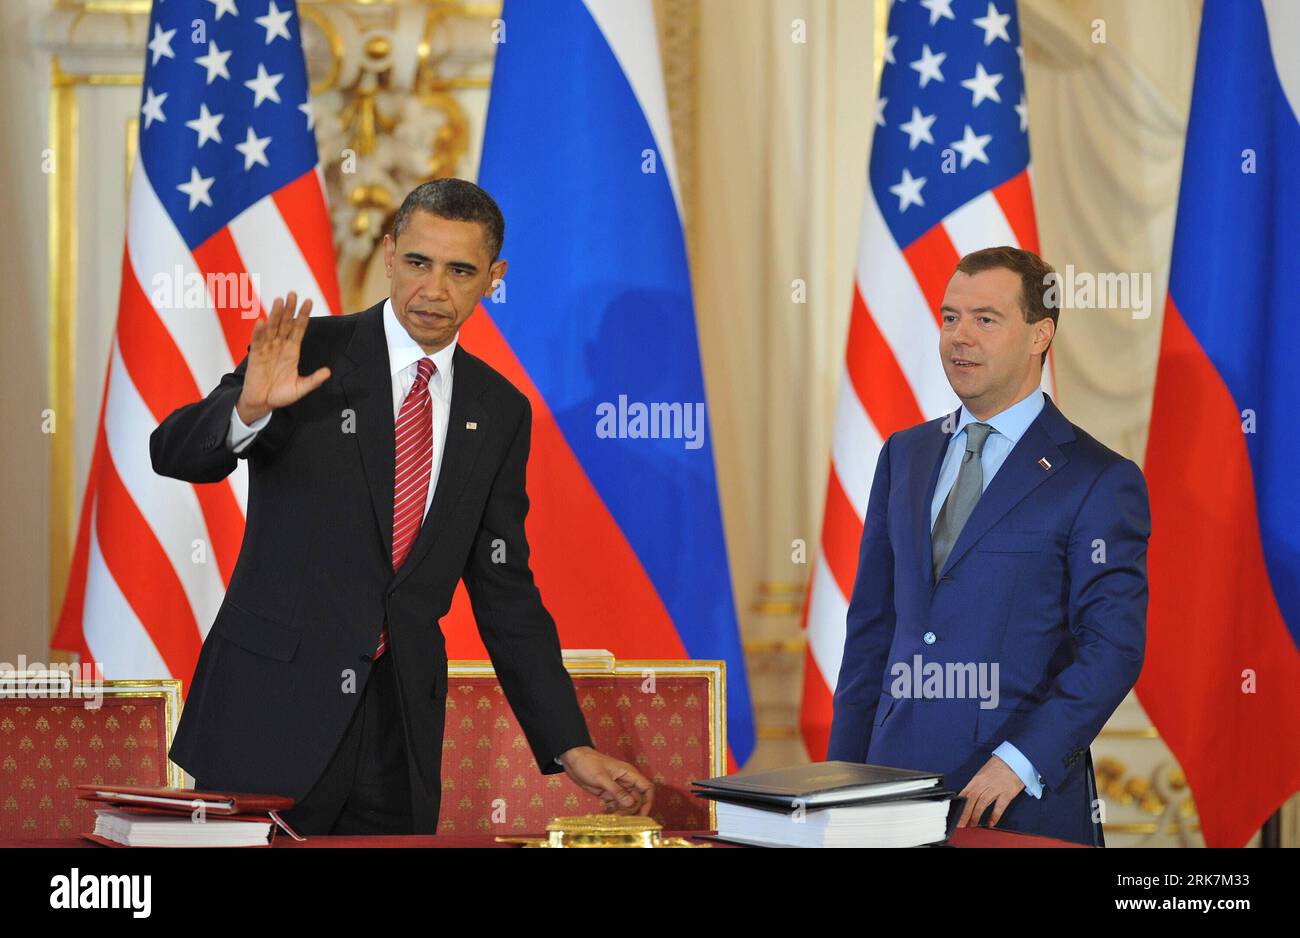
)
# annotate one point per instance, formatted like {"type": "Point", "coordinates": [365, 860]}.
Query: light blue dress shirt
{"type": "Point", "coordinates": [1008, 427]}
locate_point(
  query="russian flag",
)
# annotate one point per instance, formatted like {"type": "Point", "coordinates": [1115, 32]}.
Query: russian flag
{"type": "Point", "coordinates": [1222, 674]}
{"type": "Point", "coordinates": [597, 327]}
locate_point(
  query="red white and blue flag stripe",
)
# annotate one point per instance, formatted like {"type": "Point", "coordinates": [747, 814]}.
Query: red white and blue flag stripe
{"type": "Point", "coordinates": [627, 536]}
{"type": "Point", "coordinates": [225, 184]}
{"type": "Point", "coordinates": [949, 174]}
{"type": "Point", "coordinates": [1222, 675]}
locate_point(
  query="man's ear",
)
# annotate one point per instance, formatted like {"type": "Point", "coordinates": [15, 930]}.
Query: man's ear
{"type": "Point", "coordinates": [498, 273]}
{"type": "Point", "coordinates": [390, 248]}
{"type": "Point", "coordinates": [1044, 332]}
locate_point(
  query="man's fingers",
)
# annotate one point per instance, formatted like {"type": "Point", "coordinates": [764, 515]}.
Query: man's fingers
{"type": "Point", "coordinates": [647, 802]}
{"type": "Point", "coordinates": [314, 380]}
{"type": "Point", "coordinates": [284, 324]}
{"type": "Point", "coordinates": [300, 320]}
{"type": "Point", "coordinates": [999, 806]}
{"type": "Point", "coordinates": [615, 792]}
{"type": "Point", "coordinates": [970, 804]}
{"type": "Point", "coordinates": [274, 317]}
{"type": "Point", "coordinates": [982, 804]}
{"type": "Point", "coordinates": [976, 802]}
{"type": "Point", "coordinates": [635, 781]}
{"type": "Point", "coordinates": [605, 787]}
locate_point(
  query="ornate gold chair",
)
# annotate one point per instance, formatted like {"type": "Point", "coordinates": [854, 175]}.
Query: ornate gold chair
{"type": "Point", "coordinates": [53, 737]}
{"type": "Point", "coordinates": [668, 718]}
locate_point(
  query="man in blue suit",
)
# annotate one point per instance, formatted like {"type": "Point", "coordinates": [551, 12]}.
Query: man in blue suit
{"type": "Point", "coordinates": [998, 615]}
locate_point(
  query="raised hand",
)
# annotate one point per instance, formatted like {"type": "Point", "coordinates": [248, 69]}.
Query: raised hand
{"type": "Point", "coordinates": [271, 379]}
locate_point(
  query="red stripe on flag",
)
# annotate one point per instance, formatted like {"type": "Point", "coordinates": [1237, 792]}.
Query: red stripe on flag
{"type": "Point", "coordinates": [69, 634]}
{"type": "Point", "coordinates": [159, 372]}
{"type": "Point", "coordinates": [140, 567]}
{"type": "Point", "coordinates": [302, 205]}
{"type": "Point", "coordinates": [1017, 201]}
{"type": "Point", "coordinates": [152, 357]}
{"type": "Point", "coordinates": [841, 535]}
{"type": "Point", "coordinates": [878, 381]}
{"type": "Point", "coordinates": [219, 256]}
{"type": "Point", "coordinates": [1213, 616]}
{"type": "Point", "coordinates": [817, 708]}
{"type": "Point", "coordinates": [933, 260]}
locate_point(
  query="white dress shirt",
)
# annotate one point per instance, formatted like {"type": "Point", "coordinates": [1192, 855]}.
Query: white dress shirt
{"type": "Point", "coordinates": [404, 355]}
{"type": "Point", "coordinates": [1008, 425]}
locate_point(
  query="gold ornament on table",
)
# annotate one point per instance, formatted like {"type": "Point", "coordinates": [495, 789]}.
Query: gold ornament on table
{"type": "Point", "coordinates": [602, 830]}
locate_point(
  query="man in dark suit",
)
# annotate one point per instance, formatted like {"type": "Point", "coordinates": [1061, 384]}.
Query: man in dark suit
{"type": "Point", "coordinates": [1002, 574]}
{"type": "Point", "coordinates": [386, 463]}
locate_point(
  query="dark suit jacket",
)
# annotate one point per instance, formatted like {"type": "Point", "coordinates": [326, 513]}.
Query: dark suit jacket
{"type": "Point", "coordinates": [269, 700]}
{"type": "Point", "coordinates": [1047, 580]}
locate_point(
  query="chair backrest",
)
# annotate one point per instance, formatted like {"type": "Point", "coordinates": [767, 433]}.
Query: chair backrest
{"type": "Point", "coordinates": [668, 718]}
{"type": "Point", "coordinates": [56, 734]}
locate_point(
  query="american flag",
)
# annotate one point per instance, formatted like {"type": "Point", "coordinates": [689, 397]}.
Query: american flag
{"type": "Point", "coordinates": [227, 212]}
{"type": "Point", "coordinates": [949, 174]}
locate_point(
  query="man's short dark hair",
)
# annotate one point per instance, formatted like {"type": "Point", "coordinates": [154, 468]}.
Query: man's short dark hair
{"type": "Point", "coordinates": [1036, 277]}
{"type": "Point", "coordinates": [455, 200]}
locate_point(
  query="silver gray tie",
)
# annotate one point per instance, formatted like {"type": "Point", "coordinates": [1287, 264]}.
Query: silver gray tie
{"type": "Point", "coordinates": [962, 497]}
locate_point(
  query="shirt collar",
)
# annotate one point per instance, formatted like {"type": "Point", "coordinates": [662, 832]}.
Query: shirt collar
{"type": "Point", "coordinates": [403, 351]}
{"type": "Point", "coordinates": [1012, 422]}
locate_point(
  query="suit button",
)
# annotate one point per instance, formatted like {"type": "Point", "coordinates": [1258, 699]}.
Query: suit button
{"type": "Point", "coordinates": [929, 638]}
{"type": "Point", "coordinates": [367, 658]}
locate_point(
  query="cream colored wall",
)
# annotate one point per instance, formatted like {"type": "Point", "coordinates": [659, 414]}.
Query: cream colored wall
{"type": "Point", "coordinates": [24, 335]}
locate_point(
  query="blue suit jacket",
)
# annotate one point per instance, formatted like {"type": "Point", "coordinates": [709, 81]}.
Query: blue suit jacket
{"type": "Point", "coordinates": [1047, 580]}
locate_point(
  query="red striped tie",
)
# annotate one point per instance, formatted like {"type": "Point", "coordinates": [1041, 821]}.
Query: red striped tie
{"type": "Point", "coordinates": [414, 444]}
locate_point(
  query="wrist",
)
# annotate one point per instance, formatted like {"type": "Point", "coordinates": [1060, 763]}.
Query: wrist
{"type": "Point", "coordinates": [250, 413]}
{"type": "Point", "coordinates": [563, 758]}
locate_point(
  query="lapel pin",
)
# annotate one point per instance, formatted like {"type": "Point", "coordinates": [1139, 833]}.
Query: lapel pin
{"type": "Point", "coordinates": [471, 425]}
{"type": "Point", "coordinates": [1044, 463]}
